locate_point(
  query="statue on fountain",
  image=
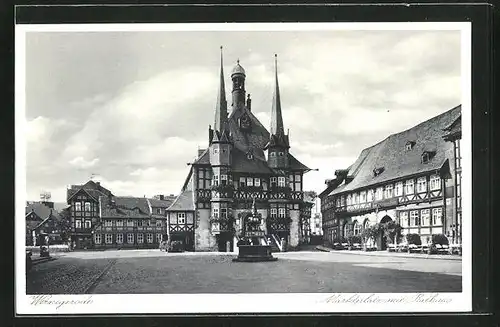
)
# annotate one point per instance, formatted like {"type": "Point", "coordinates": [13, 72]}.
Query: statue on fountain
{"type": "Point", "coordinates": [253, 246]}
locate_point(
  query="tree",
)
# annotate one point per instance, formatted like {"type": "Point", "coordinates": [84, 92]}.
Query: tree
{"type": "Point", "coordinates": [65, 224]}
{"type": "Point", "coordinates": [392, 230]}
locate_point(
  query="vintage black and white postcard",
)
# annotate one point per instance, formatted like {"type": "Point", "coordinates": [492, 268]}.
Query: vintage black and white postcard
{"type": "Point", "coordinates": [219, 168]}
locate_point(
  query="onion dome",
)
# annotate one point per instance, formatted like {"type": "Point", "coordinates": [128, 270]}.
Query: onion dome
{"type": "Point", "coordinates": [238, 69]}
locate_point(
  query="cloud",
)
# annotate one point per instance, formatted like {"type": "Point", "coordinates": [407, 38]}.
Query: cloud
{"type": "Point", "coordinates": [80, 162]}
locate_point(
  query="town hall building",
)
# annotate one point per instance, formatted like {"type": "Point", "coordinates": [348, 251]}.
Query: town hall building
{"type": "Point", "coordinates": [243, 163]}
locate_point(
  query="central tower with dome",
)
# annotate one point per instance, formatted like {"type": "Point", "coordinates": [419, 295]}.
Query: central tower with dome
{"type": "Point", "coordinates": [242, 163]}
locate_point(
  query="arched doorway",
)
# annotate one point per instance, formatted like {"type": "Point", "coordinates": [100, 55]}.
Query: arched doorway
{"type": "Point", "coordinates": [382, 239]}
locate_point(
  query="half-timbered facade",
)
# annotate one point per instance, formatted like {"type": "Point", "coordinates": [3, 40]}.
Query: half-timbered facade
{"type": "Point", "coordinates": [100, 220]}
{"type": "Point", "coordinates": [405, 178]}
{"type": "Point", "coordinates": [243, 163]}
{"type": "Point", "coordinates": [453, 134]}
{"type": "Point", "coordinates": [42, 220]}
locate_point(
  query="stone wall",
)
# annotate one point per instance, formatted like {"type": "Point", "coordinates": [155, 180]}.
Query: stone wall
{"type": "Point", "coordinates": [294, 228]}
{"type": "Point", "coordinates": [204, 240]}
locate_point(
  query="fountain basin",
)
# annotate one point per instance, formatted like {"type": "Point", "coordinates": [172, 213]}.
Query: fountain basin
{"type": "Point", "coordinates": [254, 253]}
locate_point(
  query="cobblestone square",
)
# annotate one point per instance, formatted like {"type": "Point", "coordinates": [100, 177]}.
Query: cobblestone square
{"type": "Point", "coordinates": [155, 272]}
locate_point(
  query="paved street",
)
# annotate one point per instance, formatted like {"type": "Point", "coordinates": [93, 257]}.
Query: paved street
{"type": "Point", "coordinates": [152, 271]}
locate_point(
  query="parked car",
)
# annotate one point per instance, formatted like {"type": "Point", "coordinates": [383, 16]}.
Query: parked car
{"type": "Point", "coordinates": [29, 263]}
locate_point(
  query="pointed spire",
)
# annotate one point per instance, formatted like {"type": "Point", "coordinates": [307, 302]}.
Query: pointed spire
{"type": "Point", "coordinates": [221, 106]}
{"type": "Point", "coordinates": [276, 116]}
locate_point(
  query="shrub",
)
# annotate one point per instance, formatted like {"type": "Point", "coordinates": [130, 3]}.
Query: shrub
{"type": "Point", "coordinates": [413, 239]}
{"type": "Point", "coordinates": [352, 239]}
{"type": "Point", "coordinates": [440, 239]}
{"type": "Point", "coordinates": [176, 246]}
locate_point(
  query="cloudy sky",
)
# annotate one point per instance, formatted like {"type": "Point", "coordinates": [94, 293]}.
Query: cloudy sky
{"type": "Point", "coordinates": [134, 107]}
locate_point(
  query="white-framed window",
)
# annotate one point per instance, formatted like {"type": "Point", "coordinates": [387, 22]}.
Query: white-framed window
{"type": "Point", "coordinates": [223, 213]}
{"type": "Point", "coordinates": [78, 206]}
{"type": "Point", "coordinates": [215, 212]}
{"type": "Point", "coordinates": [139, 223]}
{"type": "Point", "coordinates": [357, 228]}
{"type": "Point", "coordinates": [108, 223]}
{"type": "Point", "coordinates": [437, 215]}
{"type": "Point", "coordinates": [369, 196]}
{"type": "Point", "coordinates": [159, 223]}
{"type": "Point", "coordinates": [87, 207]}
{"type": "Point", "coordinates": [281, 181]}
{"type": "Point", "coordinates": [249, 181]}
{"type": "Point", "coordinates": [257, 182]}
{"type": "Point", "coordinates": [355, 198]}
{"type": "Point", "coordinates": [119, 223]}
{"type": "Point", "coordinates": [435, 182]}
{"type": "Point", "coordinates": [346, 229]}
{"type": "Point", "coordinates": [215, 180]}
{"type": "Point", "coordinates": [243, 181]}
{"type": "Point", "coordinates": [108, 238]}
{"type": "Point", "coordinates": [97, 239]}
{"type": "Point", "coordinates": [273, 181]}
{"type": "Point", "coordinates": [409, 186]}
{"type": "Point", "coordinates": [159, 238]}
{"type": "Point", "coordinates": [223, 179]}
{"type": "Point", "coordinates": [398, 189]}
{"type": "Point", "coordinates": [379, 193]}
{"type": "Point", "coordinates": [78, 224]}
{"type": "Point", "coordinates": [130, 223]}
{"type": "Point", "coordinates": [281, 212]}
{"type": "Point", "coordinates": [342, 200]}
{"type": "Point", "coordinates": [337, 202]}
{"type": "Point", "coordinates": [414, 218]}
{"type": "Point", "coordinates": [348, 200]}
{"type": "Point", "coordinates": [119, 238]}
{"type": "Point", "coordinates": [274, 212]}
{"type": "Point", "coordinates": [281, 154]}
{"type": "Point", "coordinates": [362, 197]}
{"type": "Point", "coordinates": [149, 238]}
{"type": "Point", "coordinates": [421, 185]}
{"type": "Point", "coordinates": [181, 218]}
{"type": "Point", "coordinates": [140, 238]}
{"type": "Point", "coordinates": [403, 218]}
{"type": "Point", "coordinates": [388, 191]}
{"type": "Point", "coordinates": [425, 217]}
{"type": "Point", "coordinates": [88, 223]}
{"type": "Point", "coordinates": [130, 238]}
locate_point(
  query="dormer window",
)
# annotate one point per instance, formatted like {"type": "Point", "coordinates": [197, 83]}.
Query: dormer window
{"type": "Point", "coordinates": [272, 154]}
{"type": "Point", "coordinates": [281, 154]}
{"type": "Point", "coordinates": [409, 145]}
{"type": "Point", "coordinates": [250, 155]}
{"type": "Point", "coordinates": [427, 156]}
{"type": "Point", "coordinates": [378, 171]}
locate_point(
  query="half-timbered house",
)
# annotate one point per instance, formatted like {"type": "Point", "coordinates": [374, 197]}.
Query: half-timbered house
{"type": "Point", "coordinates": [406, 178]}
{"type": "Point", "coordinates": [99, 219]}
{"type": "Point", "coordinates": [243, 162]}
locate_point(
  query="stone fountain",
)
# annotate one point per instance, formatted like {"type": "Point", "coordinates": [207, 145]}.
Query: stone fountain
{"type": "Point", "coordinates": [253, 246]}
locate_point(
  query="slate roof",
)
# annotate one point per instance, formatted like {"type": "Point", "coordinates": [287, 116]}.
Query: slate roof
{"type": "Point", "coordinates": [155, 203]}
{"type": "Point", "coordinates": [183, 202]}
{"type": "Point", "coordinates": [43, 212]}
{"type": "Point", "coordinates": [128, 202]}
{"type": "Point", "coordinates": [40, 209]}
{"type": "Point", "coordinates": [454, 130]}
{"type": "Point", "coordinates": [124, 207]}
{"type": "Point", "coordinates": [398, 162]}
{"type": "Point", "coordinates": [241, 163]}
{"type": "Point", "coordinates": [94, 189]}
